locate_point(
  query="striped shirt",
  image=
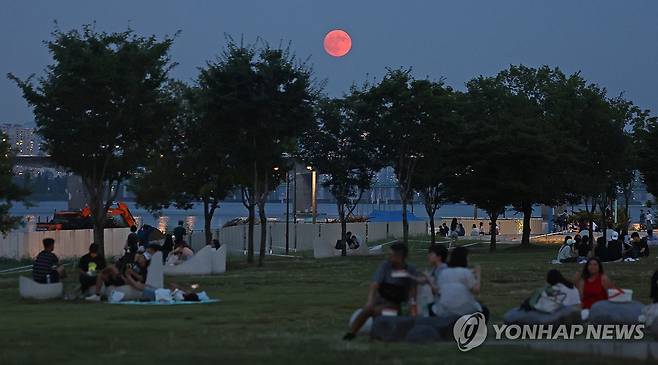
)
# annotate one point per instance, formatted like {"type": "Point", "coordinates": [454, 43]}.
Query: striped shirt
{"type": "Point", "coordinates": [43, 266]}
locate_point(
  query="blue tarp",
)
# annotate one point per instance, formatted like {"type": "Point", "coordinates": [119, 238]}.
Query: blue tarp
{"type": "Point", "coordinates": [391, 216]}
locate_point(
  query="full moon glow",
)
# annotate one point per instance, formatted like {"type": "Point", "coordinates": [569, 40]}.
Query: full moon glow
{"type": "Point", "coordinates": [337, 43]}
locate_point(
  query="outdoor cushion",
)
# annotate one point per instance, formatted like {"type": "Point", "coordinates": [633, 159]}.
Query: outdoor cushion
{"type": "Point", "coordinates": [219, 260]}
{"type": "Point", "coordinates": [387, 328]}
{"type": "Point", "coordinates": [30, 289]}
{"type": "Point", "coordinates": [421, 333]}
{"type": "Point", "coordinates": [607, 312]}
{"type": "Point", "coordinates": [564, 315]}
{"type": "Point", "coordinates": [199, 264]}
{"type": "Point", "coordinates": [365, 329]}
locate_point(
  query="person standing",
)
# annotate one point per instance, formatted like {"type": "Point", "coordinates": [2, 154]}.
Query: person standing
{"type": "Point", "coordinates": [643, 219]}
{"type": "Point", "coordinates": [649, 223]}
{"type": "Point", "coordinates": [46, 268]}
{"type": "Point", "coordinates": [179, 232]}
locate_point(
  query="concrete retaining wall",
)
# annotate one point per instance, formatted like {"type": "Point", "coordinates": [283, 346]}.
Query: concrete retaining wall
{"type": "Point", "coordinates": [70, 243]}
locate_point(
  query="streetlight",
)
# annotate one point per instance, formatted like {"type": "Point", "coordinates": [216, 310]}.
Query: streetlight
{"type": "Point", "coordinates": [314, 193]}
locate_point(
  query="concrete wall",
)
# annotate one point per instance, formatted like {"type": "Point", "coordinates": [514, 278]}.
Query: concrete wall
{"type": "Point", "coordinates": [303, 235]}
{"type": "Point", "coordinates": [69, 243]}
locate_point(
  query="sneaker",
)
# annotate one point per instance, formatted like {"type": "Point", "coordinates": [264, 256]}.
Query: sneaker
{"type": "Point", "coordinates": [93, 298]}
{"type": "Point", "coordinates": [349, 336]}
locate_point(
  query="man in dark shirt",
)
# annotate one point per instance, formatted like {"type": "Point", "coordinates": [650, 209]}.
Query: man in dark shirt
{"type": "Point", "coordinates": [394, 282]}
{"type": "Point", "coordinates": [179, 232]}
{"type": "Point", "coordinates": [90, 266]}
{"type": "Point", "coordinates": [46, 267]}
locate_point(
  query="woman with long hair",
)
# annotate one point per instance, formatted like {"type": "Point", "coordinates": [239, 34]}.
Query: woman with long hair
{"type": "Point", "coordinates": [593, 283]}
{"type": "Point", "coordinates": [560, 284]}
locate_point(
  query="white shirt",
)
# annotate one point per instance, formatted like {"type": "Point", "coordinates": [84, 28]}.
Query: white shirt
{"type": "Point", "coordinates": [456, 297]}
{"type": "Point", "coordinates": [572, 297]}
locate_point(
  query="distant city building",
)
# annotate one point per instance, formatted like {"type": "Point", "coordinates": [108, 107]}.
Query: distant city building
{"type": "Point", "coordinates": [23, 140]}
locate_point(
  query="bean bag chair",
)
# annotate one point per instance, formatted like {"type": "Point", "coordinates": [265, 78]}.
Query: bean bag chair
{"type": "Point", "coordinates": [422, 333]}
{"type": "Point", "coordinates": [199, 264]}
{"type": "Point", "coordinates": [442, 325]}
{"type": "Point", "coordinates": [30, 289]}
{"type": "Point", "coordinates": [219, 260]}
{"type": "Point", "coordinates": [154, 279]}
{"type": "Point", "coordinates": [365, 329]}
{"type": "Point", "coordinates": [564, 315]}
{"type": "Point", "coordinates": [391, 329]}
{"type": "Point", "coordinates": [608, 312]}
{"type": "Point", "coordinates": [650, 314]}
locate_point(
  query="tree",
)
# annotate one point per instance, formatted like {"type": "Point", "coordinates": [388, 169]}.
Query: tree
{"type": "Point", "coordinates": [339, 148]}
{"type": "Point", "coordinates": [188, 165]}
{"type": "Point", "coordinates": [263, 99]}
{"type": "Point", "coordinates": [645, 135]}
{"type": "Point", "coordinates": [496, 131]}
{"type": "Point", "coordinates": [10, 192]}
{"type": "Point", "coordinates": [436, 161]}
{"type": "Point", "coordinates": [100, 106]}
{"type": "Point", "coordinates": [545, 148]}
{"type": "Point", "coordinates": [397, 112]}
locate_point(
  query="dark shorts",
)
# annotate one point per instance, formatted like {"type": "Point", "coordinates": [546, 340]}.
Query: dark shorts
{"type": "Point", "coordinates": [87, 282]}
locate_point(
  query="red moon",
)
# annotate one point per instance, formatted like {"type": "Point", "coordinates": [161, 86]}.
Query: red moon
{"type": "Point", "coordinates": [337, 43]}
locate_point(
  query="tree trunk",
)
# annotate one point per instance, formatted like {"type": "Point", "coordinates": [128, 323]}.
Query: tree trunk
{"type": "Point", "coordinates": [250, 234]}
{"type": "Point", "coordinates": [526, 207]}
{"type": "Point", "coordinates": [98, 216]}
{"type": "Point", "coordinates": [432, 232]}
{"type": "Point", "coordinates": [263, 231]}
{"type": "Point", "coordinates": [343, 228]}
{"type": "Point", "coordinates": [208, 212]}
{"type": "Point", "coordinates": [405, 223]}
{"type": "Point", "coordinates": [492, 244]}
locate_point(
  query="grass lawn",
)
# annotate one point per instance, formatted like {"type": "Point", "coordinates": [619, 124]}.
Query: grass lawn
{"type": "Point", "coordinates": [292, 311]}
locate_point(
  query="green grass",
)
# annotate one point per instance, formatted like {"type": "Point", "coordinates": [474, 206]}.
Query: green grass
{"type": "Point", "coordinates": [292, 311]}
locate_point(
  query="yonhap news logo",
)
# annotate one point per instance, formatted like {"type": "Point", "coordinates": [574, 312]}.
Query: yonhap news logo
{"type": "Point", "coordinates": [470, 331]}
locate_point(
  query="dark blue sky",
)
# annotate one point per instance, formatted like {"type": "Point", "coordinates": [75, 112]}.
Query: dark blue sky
{"type": "Point", "coordinates": [613, 42]}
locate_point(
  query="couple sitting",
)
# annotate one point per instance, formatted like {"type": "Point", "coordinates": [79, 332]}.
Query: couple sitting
{"type": "Point", "coordinates": [352, 242]}
{"type": "Point", "coordinates": [177, 252]}
{"type": "Point", "coordinates": [395, 281]}
{"type": "Point", "coordinates": [129, 270]}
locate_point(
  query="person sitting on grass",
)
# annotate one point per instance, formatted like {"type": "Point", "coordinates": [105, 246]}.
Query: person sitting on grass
{"type": "Point", "coordinates": [583, 248]}
{"type": "Point", "coordinates": [132, 274]}
{"type": "Point", "coordinates": [437, 256]}
{"type": "Point", "coordinates": [46, 268]}
{"type": "Point", "coordinates": [475, 232]}
{"type": "Point", "coordinates": [90, 265]}
{"type": "Point", "coordinates": [637, 248]}
{"type": "Point", "coordinates": [566, 252]}
{"type": "Point", "coordinates": [593, 283]}
{"type": "Point", "coordinates": [393, 283]}
{"type": "Point", "coordinates": [136, 275]}
{"type": "Point", "coordinates": [180, 254]}
{"type": "Point", "coordinates": [560, 284]}
{"type": "Point", "coordinates": [458, 286]}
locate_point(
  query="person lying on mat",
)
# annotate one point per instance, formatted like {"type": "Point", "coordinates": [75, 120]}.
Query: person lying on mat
{"type": "Point", "coordinates": [393, 283]}
{"type": "Point", "coordinates": [46, 268]}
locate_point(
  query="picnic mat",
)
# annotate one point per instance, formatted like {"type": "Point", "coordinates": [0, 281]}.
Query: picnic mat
{"type": "Point", "coordinates": [137, 302]}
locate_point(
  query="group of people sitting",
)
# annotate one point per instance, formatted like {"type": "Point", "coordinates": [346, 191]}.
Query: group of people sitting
{"type": "Point", "coordinates": [613, 247]}
{"type": "Point", "coordinates": [454, 286]}
{"type": "Point", "coordinates": [129, 269]}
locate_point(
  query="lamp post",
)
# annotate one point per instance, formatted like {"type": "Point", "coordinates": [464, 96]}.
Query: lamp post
{"type": "Point", "coordinates": [314, 193]}
{"type": "Point", "coordinates": [287, 211]}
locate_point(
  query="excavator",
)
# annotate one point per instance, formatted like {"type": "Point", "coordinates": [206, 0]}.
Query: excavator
{"type": "Point", "coordinates": [118, 216]}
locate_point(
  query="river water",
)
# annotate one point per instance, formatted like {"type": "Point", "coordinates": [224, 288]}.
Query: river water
{"type": "Point", "coordinates": [193, 218]}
